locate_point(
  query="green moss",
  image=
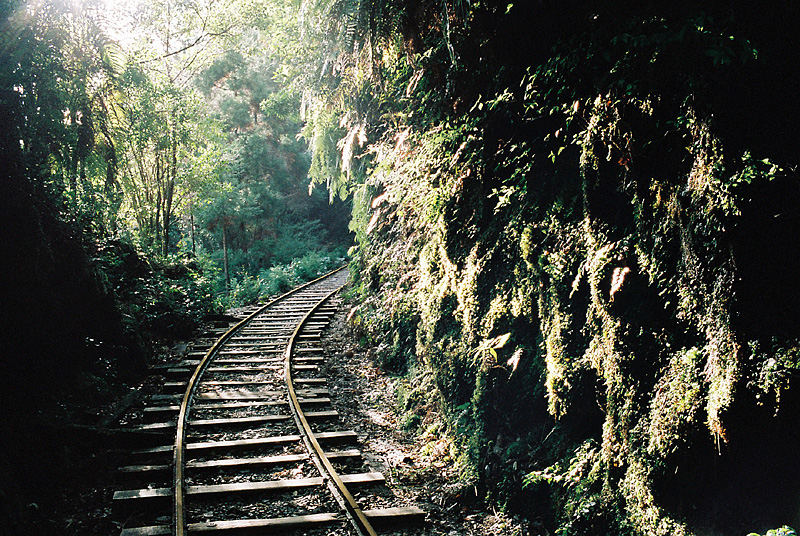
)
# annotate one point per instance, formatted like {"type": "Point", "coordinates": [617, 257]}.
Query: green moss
{"type": "Point", "coordinates": [677, 403]}
{"type": "Point", "coordinates": [595, 234]}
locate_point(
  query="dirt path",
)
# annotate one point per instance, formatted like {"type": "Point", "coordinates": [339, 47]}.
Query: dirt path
{"type": "Point", "coordinates": [417, 471]}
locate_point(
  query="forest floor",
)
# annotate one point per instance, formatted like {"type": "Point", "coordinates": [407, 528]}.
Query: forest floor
{"type": "Point", "coordinates": [418, 470]}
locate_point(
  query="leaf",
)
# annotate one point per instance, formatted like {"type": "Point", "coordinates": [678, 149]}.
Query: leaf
{"type": "Point", "coordinates": [513, 362]}
{"type": "Point", "coordinates": [499, 341]}
{"type": "Point", "coordinates": [491, 346]}
{"type": "Point", "coordinates": [503, 339]}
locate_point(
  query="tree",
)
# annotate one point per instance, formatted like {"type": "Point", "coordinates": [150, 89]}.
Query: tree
{"type": "Point", "coordinates": [63, 68]}
{"type": "Point", "coordinates": [164, 122]}
{"type": "Point", "coordinates": [160, 128]}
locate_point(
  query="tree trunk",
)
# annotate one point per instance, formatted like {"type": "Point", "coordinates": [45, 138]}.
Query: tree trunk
{"type": "Point", "coordinates": [191, 225]}
{"type": "Point", "coordinates": [225, 257]}
{"type": "Point", "coordinates": [169, 196]}
{"type": "Point", "coordinates": [165, 231]}
{"type": "Point", "coordinates": [155, 230]}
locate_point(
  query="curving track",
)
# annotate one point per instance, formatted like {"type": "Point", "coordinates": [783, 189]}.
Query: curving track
{"type": "Point", "coordinates": [256, 446]}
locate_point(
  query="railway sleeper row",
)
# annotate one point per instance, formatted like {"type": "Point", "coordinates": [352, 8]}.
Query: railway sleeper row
{"type": "Point", "coordinates": [245, 377]}
{"type": "Point", "coordinates": [239, 463]}
{"type": "Point", "coordinates": [379, 517]}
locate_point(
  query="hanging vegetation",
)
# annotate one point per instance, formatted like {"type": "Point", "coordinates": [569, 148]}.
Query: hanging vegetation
{"type": "Point", "coordinates": [550, 203]}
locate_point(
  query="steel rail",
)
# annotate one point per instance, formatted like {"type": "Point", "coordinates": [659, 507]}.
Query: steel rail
{"type": "Point", "coordinates": [179, 456]}
{"type": "Point", "coordinates": [339, 490]}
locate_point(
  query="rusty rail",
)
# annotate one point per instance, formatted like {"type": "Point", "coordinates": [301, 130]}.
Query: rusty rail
{"type": "Point", "coordinates": [179, 454]}
{"type": "Point", "coordinates": [339, 490]}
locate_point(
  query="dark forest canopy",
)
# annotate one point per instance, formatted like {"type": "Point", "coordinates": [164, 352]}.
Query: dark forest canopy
{"type": "Point", "coordinates": [575, 222]}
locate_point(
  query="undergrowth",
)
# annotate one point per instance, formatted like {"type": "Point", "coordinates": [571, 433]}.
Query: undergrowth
{"type": "Point", "coordinates": [248, 289]}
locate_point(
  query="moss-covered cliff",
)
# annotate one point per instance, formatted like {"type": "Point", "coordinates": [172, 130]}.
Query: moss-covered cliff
{"type": "Point", "coordinates": [576, 234]}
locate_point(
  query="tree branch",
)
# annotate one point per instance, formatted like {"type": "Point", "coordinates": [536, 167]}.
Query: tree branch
{"type": "Point", "coordinates": [190, 45]}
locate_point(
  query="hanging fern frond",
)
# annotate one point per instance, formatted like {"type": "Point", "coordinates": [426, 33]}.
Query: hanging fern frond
{"type": "Point", "coordinates": [356, 24]}
{"type": "Point", "coordinates": [112, 55]}
{"type": "Point", "coordinates": [350, 27]}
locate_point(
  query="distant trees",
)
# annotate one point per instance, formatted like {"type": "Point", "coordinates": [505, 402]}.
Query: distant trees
{"type": "Point", "coordinates": [162, 128]}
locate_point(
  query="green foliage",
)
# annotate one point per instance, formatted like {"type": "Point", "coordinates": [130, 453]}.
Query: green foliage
{"type": "Point", "coordinates": [268, 283]}
{"type": "Point", "coordinates": [412, 401]}
{"type": "Point", "coordinates": [276, 280]}
{"type": "Point", "coordinates": [782, 531]}
{"type": "Point", "coordinates": [585, 502]}
{"type": "Point", "coordinates": [677, 403]}
{"type": "Point", "coordinates": [243, 291]}
{"type": "Point", "coordinates": [580, 200]}
{"type": "Point", "coordinates": [162, 298]}
{"type": "Point", "coordinates": [773, 365]}
{"type": "Point", "coordinates": [755, 170]}
{"type": "Point", "coordinates": [256, 222]}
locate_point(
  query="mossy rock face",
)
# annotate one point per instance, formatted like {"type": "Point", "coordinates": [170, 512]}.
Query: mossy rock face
{"type": "Point", "coordinates": [580, 264]}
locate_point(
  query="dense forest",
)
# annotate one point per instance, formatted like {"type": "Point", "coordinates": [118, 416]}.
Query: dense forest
{"type": "Point", "coordinates": [152, 176]}
{"type": "Point", "coordinates": [571, 228]}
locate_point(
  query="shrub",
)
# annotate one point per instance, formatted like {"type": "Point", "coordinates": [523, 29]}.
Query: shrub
{"type": "Point", "coordinates": [783, 531]}
{"type": "Point", "coordinates": [276, 280]}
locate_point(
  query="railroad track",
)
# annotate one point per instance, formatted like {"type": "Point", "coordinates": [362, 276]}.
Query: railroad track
{"type": "Point", "coordinates": [242, 439]}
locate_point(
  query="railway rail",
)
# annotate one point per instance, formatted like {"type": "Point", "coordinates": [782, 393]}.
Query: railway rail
{"type": "Point", "coordinates": [242, 439]}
